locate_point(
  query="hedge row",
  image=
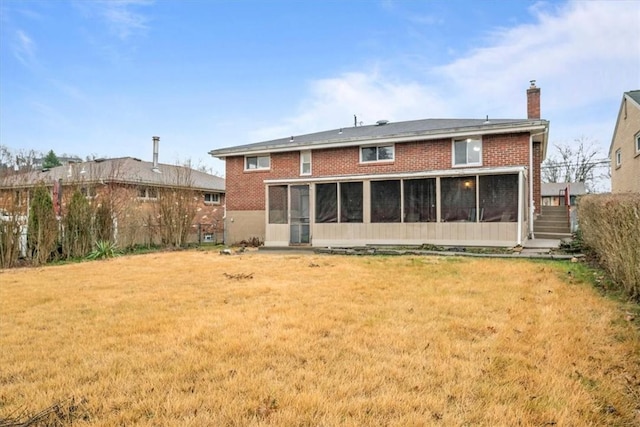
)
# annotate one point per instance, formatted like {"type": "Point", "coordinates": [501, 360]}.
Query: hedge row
{"type": "Point", "coordinates": [610, 226]}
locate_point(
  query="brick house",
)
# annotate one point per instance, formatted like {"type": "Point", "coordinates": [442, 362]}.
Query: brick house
{"type": "Point", "coordinates": [624, 151]}
{"type": "Point", "coordinates": [437, 181]}
{"type": "Point", "coordinates": [133, 188]}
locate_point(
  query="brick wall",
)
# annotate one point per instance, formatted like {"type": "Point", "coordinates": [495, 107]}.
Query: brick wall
{"type": "Point", "coordinates": [245, 190]}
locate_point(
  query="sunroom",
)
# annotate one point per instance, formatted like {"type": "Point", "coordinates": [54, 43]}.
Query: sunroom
{"type": "Point", "coordinates": [470, 207]}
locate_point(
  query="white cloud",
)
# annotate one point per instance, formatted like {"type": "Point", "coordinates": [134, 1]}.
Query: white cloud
{"type": "Point", "coordinates": [24, 48]}
{"type": "Point", "coordinates": [122, 17]}
{"type": "Point", "coordinates": [579, 53]}
{"type": "Point", "coordinates": [123, 20]}
{"type": "Point", "coordinates": [582, 54]}
{"type": "Point", "coordinates": [333, 102]}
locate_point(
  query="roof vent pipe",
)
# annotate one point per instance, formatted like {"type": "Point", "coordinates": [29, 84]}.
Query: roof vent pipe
{"type": "Point", "coordinates": [156, 146]}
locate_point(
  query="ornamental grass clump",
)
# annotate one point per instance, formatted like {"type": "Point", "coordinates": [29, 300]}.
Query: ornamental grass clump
{"type": "Point", "coordinates": [104, 249]}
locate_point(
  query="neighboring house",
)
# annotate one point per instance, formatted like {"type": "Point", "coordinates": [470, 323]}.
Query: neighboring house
{"type": "Point", "coordinates": [624, 151]}
{"type": "Point", "coordinates": [436, 181]}
{"type": "Point", "coordinates": [555, 193]}
{"type": "Point", "coordinates": [133, 189]}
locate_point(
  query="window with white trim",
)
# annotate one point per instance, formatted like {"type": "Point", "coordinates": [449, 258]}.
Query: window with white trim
{"type": "Point", "coordinates": [379, 153]}
{"type": "Point", "coordinates": [305, 162]}
{"type": "Point", "coordinates": [257, 162]}
{"type": "Point", "coordinates": [467, 152]}
{"type": "Point", "coordinates": [88, 191]}
{"type": "Point", "coordinates": [147, 193]}
{"type": "Point", "coordinates": [618, 158]}
{"type": "Point", "coordinates": [637, 144]}
{"type": "Point", "coordinates": [212, 198]}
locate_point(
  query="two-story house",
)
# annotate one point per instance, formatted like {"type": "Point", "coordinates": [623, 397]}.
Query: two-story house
{"type": "Point", "coordinates": [433, 181]}
{"type": "Point", "coordinates": [624, 151]}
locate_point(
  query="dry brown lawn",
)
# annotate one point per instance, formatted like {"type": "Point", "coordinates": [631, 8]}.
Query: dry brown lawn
{"type": "Point", "coordinates": [173, 339]}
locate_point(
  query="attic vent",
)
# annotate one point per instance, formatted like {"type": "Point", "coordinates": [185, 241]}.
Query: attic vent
{"type": "Point", "coordinates": [382, 122]}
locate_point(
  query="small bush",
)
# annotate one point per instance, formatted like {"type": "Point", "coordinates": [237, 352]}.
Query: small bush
{"type": "Point", "coordinates": [610, 226]}
{"type": "Point", "coordinates": [104, 249]}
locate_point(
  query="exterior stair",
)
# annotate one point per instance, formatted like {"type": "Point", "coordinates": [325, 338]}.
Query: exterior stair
{"type": "Point", "coordinates": [552, 223]}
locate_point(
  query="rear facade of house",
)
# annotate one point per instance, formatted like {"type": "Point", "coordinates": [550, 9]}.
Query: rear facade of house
{"type": "Point", "coordinates": [472, 182]}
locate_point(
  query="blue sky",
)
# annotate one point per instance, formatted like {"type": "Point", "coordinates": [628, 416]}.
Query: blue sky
{"type": "Point", "coordinates": [101, 78]}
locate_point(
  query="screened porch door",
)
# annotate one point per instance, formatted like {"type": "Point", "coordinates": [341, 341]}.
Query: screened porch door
{"type": "Point", "coordinates": [299, 215]}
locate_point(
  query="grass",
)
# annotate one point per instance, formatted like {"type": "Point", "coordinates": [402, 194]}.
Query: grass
{"type": "Point", "coordinates": [194, 338]}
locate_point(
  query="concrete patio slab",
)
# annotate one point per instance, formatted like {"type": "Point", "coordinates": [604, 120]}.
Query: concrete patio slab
{"type": "Point", "coordinates": [542, 244]}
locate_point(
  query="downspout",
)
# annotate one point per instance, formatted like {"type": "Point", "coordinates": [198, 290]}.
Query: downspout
{"type": "Point", "coordinates": [531, 177]}
{"type": "Point", "coordinates": [519, 235]}
{"type": "Point", "coordinates": [531, 206]}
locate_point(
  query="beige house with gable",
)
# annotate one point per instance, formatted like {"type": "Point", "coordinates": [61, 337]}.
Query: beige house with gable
{"type": "Point", "coordinates": [625, 146]}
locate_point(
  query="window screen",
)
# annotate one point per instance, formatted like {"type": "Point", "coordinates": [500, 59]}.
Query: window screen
{"type": "Point", "coordinates": [499, 198]}
{"type": "Point", "coordinates": [385, 201]}
{"type": "Point", "coordinates": [351, 202]}
{"type": "Point", "coordinates": [458, 198]}
{"type": "Point", "coordinates": [420, 200]}
{"type": "Point", "coordinates": [278, 204]}
{"type": "Point", "coordinates": [326, 203]}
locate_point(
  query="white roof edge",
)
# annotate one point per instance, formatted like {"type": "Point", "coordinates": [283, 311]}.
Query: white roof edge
{"type": "Point", "coordinates": [279, 148]}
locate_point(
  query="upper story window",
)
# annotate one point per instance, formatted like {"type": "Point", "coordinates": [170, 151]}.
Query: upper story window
{"type": "Point", "coordinates": [467, 152]}
{"type": "Point", "coordinates": [212, 198]}
{"type": "Point", "coordinates": [618, 158]}
{"type": "Point", "coordinates": [257, 162]}
{"type": "Point", "coordinates": [305, 163]}
{"type": "Point", "coordinates": [638, 144]}
{"type": "Point", "coordinates": [147, 193]}
{"type": "Point", "coordinates": [380, 153]}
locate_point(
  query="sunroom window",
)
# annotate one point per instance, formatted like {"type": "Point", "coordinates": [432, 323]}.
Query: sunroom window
{"type": "Point", "coordinates": [458, 199]}
{"type": "Point", "coordinates": [385, 201]}
{"type": "Point", "coordinates": [420, 200]}
{"type": "Point", "coordinates": [351, 202]}
{"type": "Point", "coordinates": [467, 152]}
{"type": "Point", "coordinates": [498, 198]}
{"type": "Point", "coordinates": [326, 203]}
{"type": "Point", "coordinates": [278, 204]}
{"type": "Point", "coordinates": [380, 153]}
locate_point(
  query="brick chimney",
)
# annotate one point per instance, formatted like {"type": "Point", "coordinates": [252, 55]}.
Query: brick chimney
{"type": "Point", "coordinates": [533, 101]}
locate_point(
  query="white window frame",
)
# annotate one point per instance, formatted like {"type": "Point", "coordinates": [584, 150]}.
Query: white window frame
{"type": "Point", "coordinates": [304, 154]}
{"type": "Point", "coordinates": [214, 198]}
{"type": "Point", "coordinates": [258, 163]}
{"type": "Point", "coordinates": [378, 159]}
{"type": "Point", "coordinates": [467, 162]}
{"type": "Point", "coordinates": [148, 193]}
{"type": "Point", "coordinates": [637, 141]}
{"type": "Point", "coordinates": [88, 191]}
{"type": "Point", "coordinates": [618, 158]}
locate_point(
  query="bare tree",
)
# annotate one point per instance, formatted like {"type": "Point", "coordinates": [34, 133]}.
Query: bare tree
{"type": "Point", "coordinates": [177, 206]}
{"type": "Point", "coordinates": [575, 162]}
